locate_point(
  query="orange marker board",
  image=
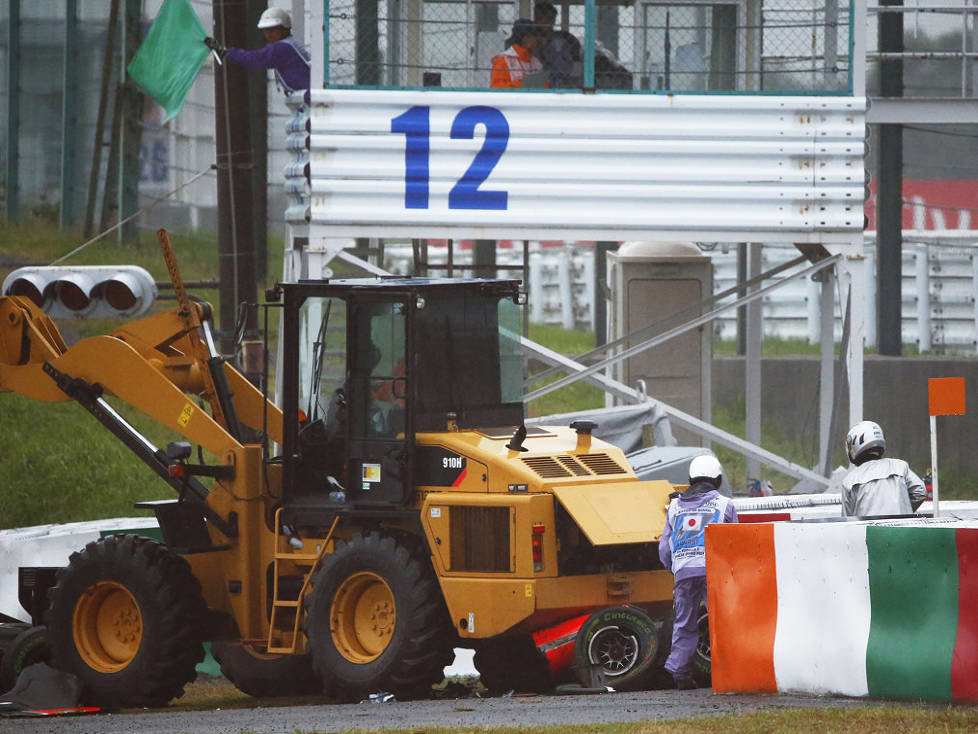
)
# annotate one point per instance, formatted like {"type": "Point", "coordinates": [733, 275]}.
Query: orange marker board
{"type": "Point", "coordinates": [742, 591]}
{"type": "Point", "coordinates": [946, 395]}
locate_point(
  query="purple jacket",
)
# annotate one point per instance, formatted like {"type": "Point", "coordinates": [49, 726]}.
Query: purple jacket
{"type": "Point", "coordinates": [682, 548]}
{"type": "Point", "coordinates": [289, 60]}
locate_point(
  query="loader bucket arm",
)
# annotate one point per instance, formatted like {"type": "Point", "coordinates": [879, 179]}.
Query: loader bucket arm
{"type": "Point", "coordinates": [163, 341]}
{"type": "Point", "coordinates": [124, 373]}
{"type": "Point", "coordinates": [150, 374]}
{"type": "Point", "coordinates": [27, 334]}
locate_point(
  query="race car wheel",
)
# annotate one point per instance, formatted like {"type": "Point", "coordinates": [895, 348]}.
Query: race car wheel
{"type": "Point", "coordinates": [27, 648]}
{"type": "Point", "coordinates": [701, 659]}
{"type": "Point", "coordinates": [616, 647]}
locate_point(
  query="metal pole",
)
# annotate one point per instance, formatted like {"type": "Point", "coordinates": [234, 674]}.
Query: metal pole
{"type": "Point", "coordinates": [258, 97]}
{"type": "Point", "coordinates": [752, 364]}
{"type": "Point", "coordinates": [131, 101]}
{"type": "Point", "coordinates": [103, 103]}
{"type": "Point", "coordinates": [922, 284]}
{"type": "Point", "coordinates": [590, 26]}
{"type": "Point", "coordinates": [826, 388]}
{"type": "Point", "coordinates": [889, 193]}
{"type": "Point", "coordinates": [68, 119]}
{"type": "Point", "coordinates": [852, 275]}
{"type": "Point", "coordinates": [484, 258]}
{"type": "Point", "coordinates": [600, 287]}
{"type": "Point", "coordinates": [742, 311]}
{"type": "Point", "coordinates": [110, 192]}
{"type": "Point", "coordinates": [235, 233]}
{"type": "Point", "coordinates": [933, 466]}
{"type": "Point", "coordinates": [367, 49]}
{"type": "Point", "coordinates": [13, 112]}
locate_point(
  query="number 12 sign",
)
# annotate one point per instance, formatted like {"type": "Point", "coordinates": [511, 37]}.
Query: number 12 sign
{"type": "Point", "coordinates": [415, 125]}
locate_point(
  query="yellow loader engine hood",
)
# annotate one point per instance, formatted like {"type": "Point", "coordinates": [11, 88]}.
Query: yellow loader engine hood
{"type": "Point", "coordinates": [592, 480]}
{"type": "Point", "coordinates": [618, 512]}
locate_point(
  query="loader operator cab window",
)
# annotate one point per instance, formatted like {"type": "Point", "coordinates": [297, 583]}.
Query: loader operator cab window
{"type": "Point", "coordinates": [470, 362]}
{"type": "Point", "coordinates": [322, 374]}
{"type": "Point", "coordinates": [378, 371]}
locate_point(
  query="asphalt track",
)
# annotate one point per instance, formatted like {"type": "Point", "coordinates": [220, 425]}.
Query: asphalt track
{"type": "Point", "coordinates": [516, 711]}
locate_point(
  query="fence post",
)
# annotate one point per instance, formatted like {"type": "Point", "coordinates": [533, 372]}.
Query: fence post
{"type": "Point", "coordinates": [922, 286]}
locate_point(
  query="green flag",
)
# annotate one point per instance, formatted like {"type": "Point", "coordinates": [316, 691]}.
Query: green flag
{"type": "Point", "coordinates": [172, 53]}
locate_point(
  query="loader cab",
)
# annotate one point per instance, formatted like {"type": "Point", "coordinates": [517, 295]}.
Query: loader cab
{"type": "Point", "coordinates": [368, 363]}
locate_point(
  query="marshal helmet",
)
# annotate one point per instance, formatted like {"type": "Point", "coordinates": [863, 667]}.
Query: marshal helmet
{"type": "Point", "coordinates": [864, 438]}
{"type": "Point", "coordinates": [705, 468]}
{"type": "Point", "coordinates": [274, 17]}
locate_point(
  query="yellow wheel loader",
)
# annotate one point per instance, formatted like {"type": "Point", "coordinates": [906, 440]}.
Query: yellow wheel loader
{"type": "Point", "coordinates": [392, 508]}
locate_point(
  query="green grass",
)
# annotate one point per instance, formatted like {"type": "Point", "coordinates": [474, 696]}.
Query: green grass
{"type": "Point", "coordinates": [576, 396]}
{"type": "Point", "coordinates": [770, 347]}
{"type": "Point", "coordinates": [881, 720]}
{"type": "Point", "coordinates": [60, 465]}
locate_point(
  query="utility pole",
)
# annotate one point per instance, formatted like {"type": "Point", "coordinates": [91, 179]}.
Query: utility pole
{"type": "Point", "coordinates": [258, 100]}
{"type": "Point", "coordinates": [235, 224]}
{"type": "Point", "coordinates": [889, 190]}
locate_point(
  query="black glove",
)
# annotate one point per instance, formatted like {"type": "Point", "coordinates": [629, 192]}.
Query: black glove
{"type": "Point", "coordinates": [213, 45]}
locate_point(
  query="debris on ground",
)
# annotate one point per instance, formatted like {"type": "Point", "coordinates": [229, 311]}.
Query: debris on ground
{"type": "Point", "coordinates": [44, 691]}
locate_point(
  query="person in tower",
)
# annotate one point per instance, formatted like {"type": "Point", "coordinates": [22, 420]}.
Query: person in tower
{"type": "Point", "coordinates": [512, 67]}
{"type": "Point", "coordinates": [290, 61]}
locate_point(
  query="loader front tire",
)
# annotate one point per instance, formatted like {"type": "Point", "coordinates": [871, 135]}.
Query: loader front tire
{"type": "Point", "coordinates": [262, 674]}
{"type": "Point", "coordinates": [126, 617]}
{"type": "Point", "coordinates": [376, 621]}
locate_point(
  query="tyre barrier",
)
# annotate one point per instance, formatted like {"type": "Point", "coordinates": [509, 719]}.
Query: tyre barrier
{"type": "Point", "coordinates": [883, 609]}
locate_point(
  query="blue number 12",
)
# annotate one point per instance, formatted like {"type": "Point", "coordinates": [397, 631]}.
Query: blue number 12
{"type": "Point", "coordinates": [415, 125]}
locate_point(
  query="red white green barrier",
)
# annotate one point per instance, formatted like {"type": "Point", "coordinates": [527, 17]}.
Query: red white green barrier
{"type": "Point", "coordinates": [880, 608]}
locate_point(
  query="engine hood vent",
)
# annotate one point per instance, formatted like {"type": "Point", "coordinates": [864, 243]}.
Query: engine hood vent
{"type": "Point", "coordinates": [567, 465]}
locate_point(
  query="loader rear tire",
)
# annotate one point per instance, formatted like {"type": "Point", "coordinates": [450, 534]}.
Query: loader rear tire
{"type": "Point", "coordinates": [262, 674]}
{"type": "Point", "coordinates": [513, 664]}
{"type": "Point", "coordinates": [376, 621]}
{"type": "Point", "coordinates": [27, 648]}
{"type": "Point", "coordinates": [126, 617]}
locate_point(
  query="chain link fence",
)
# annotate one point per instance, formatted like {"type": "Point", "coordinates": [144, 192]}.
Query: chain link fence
{"type": "Point", "coordinates": [788, 46]}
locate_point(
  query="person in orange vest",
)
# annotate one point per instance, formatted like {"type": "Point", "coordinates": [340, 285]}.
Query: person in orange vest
{"type": "Point", "coordinates": [512, 66]}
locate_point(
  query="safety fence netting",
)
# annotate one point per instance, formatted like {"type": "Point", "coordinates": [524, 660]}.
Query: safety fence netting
{"type": "Point", "coordinates": [746, 46]}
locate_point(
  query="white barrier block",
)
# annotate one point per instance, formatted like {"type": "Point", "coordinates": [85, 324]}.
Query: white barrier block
{"type": "Point", "coordinates": [823, 609]}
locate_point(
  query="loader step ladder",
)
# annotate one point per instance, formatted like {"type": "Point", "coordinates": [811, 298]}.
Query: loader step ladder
{"type": "Point", "coordinates": [282, 634]}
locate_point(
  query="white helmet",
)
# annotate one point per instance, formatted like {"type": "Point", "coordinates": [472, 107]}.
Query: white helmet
{"type": "Point", "coordinates": [274, 17]}
{"type": "Point", "coordinates": [862, 437]}
{"type": "Point", "coordinates": [705, 467]}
